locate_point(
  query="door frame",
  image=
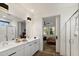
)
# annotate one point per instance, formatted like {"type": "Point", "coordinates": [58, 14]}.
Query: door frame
{"type": "Point", "coordinates": [59, 32]}
{"type": "Point", "coordinates": [58, 20]}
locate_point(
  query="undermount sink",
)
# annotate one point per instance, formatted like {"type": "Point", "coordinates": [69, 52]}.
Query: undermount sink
{"type": "Point", "coordinates": [5, 44]}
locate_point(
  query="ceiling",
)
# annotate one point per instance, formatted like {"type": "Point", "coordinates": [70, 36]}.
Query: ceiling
{"type": "Point", "coordinates": [21, 9]}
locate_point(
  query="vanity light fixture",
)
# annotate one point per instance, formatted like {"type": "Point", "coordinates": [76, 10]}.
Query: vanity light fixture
{"type": "Point", "coordinates": [28, 18]}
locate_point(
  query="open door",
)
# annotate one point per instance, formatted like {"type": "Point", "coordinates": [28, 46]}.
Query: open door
{"type": "Point", "coordinates": [57, 34]}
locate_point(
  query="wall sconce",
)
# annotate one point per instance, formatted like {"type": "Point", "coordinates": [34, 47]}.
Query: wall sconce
{"type": "Point", "coordinates": [28, 18]}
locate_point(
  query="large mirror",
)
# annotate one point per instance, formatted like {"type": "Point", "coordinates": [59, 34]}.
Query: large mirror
{"type": "Point", "coordinates": [11, 27]}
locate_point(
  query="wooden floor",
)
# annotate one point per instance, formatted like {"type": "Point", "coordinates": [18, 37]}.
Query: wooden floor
{"type": "Point", "coordinates": [49, 50]}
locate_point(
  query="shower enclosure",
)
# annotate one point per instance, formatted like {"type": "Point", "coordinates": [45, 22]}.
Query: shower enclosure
{"type": "Point", "coordinates": [72, 35]}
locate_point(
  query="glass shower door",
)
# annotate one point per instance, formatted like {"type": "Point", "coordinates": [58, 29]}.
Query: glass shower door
{"type": "Point", "coordinates": [74, 35]}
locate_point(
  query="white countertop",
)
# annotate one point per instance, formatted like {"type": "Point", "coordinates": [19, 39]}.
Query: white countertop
{"type": "Point", "coordinates": [12, 44]}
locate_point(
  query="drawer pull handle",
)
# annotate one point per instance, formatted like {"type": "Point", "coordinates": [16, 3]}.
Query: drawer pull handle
{"type": "Point", "coordinates": [12, 54]}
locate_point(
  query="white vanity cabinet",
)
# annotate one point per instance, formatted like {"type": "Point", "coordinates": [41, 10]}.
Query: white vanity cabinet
{"type": "Point", "coordinates": [31, 48]}
{"type": "Point", "coordinates": [26, 49]}
{"type": "Point", "coordinates": [36, 45]}
{"type": "Point", "coordinates": [19, 51]}
{"type": "Point", "coordinates": [15, 51]}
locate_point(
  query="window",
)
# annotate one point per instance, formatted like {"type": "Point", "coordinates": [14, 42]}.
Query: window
{"type": "Point", "coordinates": [3, 23]}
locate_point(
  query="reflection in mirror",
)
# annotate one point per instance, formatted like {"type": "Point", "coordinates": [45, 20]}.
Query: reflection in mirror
{"type": "Point", "coordinates": [22, 29]}
{"type": "Point", "coordinates": [10, 28]}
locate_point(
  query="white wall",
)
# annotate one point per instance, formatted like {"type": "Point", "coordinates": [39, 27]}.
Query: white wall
{"type": "Point", "coordinates": [37, 29]}
{"type": "Point", "coordinates": [29, 25]}
{"type": "Point", "coordinates": [64, 13]}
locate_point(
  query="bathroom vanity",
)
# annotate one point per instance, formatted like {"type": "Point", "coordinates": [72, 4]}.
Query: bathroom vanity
{"type": "Point", "coordinates": [27, 48]}
{"type": "Point", "coordinates": [12, 27]}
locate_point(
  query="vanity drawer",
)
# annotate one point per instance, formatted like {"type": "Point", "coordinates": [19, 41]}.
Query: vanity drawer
{"type": "Point", "coordinates": [12, 51]}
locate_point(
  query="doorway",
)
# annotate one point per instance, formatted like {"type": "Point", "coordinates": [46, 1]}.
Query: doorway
{"type": "Point", "coordinates": [51, 36]}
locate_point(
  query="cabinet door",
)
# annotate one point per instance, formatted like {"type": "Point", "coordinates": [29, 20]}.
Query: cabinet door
{"type": "Point", "coordinates": [8, 52]}
{"type": "Point", "coordinates": [27, 50]}
{"type": "Point", "coordinates": [36, 46]}
{"type": "Point", "coordinates": [31, 48]}
{"type": "Point", "coordinates": [18, 53]}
